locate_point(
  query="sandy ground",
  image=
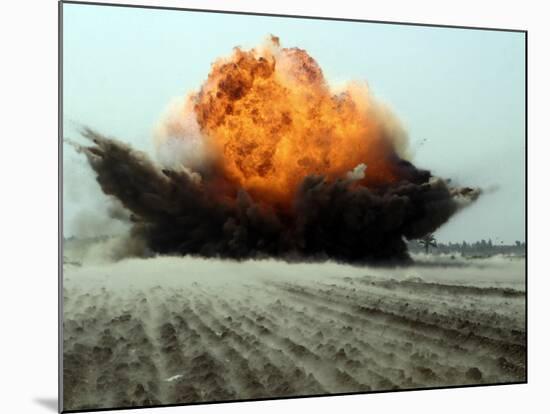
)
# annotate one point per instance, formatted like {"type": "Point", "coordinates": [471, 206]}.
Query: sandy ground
{"type": "Point", "coordinates": [182, 330]}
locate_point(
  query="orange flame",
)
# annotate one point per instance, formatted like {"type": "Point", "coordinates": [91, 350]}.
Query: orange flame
{"type": "Point", "coordinates": [270, 119]}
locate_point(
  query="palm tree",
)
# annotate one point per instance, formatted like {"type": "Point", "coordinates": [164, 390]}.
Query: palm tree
{"type": "Point", "coordinates": [427, 241]}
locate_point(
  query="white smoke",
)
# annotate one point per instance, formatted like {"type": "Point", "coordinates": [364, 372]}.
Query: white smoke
{"type": "Point", "coordinates": [358, 173]}
{"type": "Point", "coordinates": [178, 138]}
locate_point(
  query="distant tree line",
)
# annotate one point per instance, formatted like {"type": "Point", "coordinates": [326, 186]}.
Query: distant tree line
{"type": "Point", "coordinates": [480, 248]}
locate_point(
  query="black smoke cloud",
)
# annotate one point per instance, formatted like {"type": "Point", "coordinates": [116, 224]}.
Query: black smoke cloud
{"type": "Point", "coordinates": [173, 214]}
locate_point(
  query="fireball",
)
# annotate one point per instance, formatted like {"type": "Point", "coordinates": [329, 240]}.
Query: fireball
{"type": "Point", "coordinates": [268, 119]}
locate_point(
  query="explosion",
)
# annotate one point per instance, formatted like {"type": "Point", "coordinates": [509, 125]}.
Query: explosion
{"type": "Point", "coordinates": [266, 159]}
{"type": "Point", "coordinates": [270, 119]}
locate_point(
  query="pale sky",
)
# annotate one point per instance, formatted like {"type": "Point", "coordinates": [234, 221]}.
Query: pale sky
{"type": "Point", "coordinates": [459, 93]}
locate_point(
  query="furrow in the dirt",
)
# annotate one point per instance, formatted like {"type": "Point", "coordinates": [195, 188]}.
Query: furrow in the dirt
{"type": "Point", "coordinates": [495, 360]}
{"type": "Point", "coordinates": [253, 363]}
{"type": "Point", "coordinates": [509, 315]}
{"type": "Point", "coordinates": [239, 373]}
{"type": "Point", "coordinates": [495, 325]}
{"type": "Point", "coordinates": [299, 371]}
{"type": "Point", "coordinates": [446, 289]}
{"type": "Point", "coordinates": [172, 336]}
{"type": "Point", "coordinates": [134, 364]}
{"type": "Point", "coordinates": [257, 363]}
{"type": "Point", "coordinates": [382, 356]}
{"type": "Point", "coordinates": [209, 373]}
{"type": "Point", "coordinates": [82, 353]}
{"type": "Point", "coordinates": [420, 321]}
{"type": "Point", "coordinates": [341, 345]}
{"type": "Point", "coordinates": [330, 376]}
{"type": "Point", "coordinates": [329, 354]}
{"type": "Point", "coordinates": [418, 368]}
{"type": "Point", "coordinates": [326, 339]}
{"type": "Point", "coordinates": [281, 375]}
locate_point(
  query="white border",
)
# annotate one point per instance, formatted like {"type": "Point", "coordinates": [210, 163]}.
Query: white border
{"type": "Point", "coordinates": [29, 203]}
